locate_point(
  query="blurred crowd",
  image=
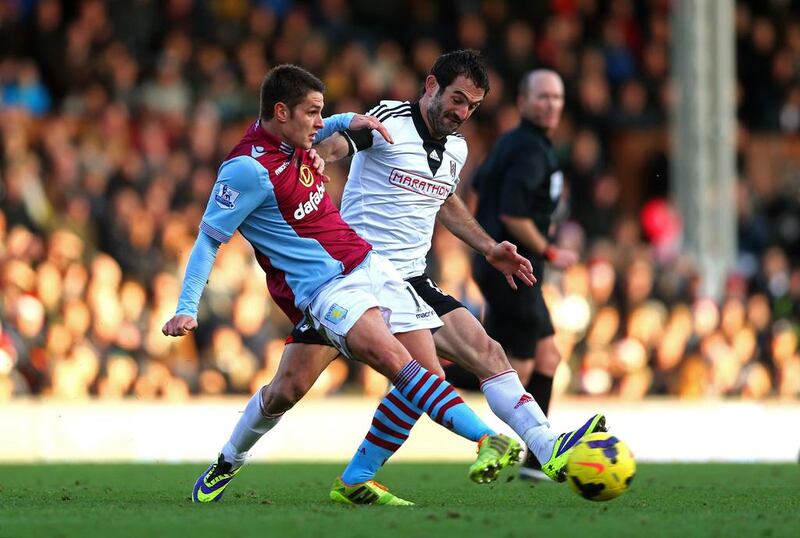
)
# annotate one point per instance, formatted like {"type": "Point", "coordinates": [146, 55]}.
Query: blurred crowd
{"type": "Point", "coordinates": [115, 114]}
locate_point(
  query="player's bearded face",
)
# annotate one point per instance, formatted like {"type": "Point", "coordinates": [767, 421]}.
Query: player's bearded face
{"type": "Point", "coordinates": [451, 107]}
{"type": "Point", "coordinates": [443, 122]}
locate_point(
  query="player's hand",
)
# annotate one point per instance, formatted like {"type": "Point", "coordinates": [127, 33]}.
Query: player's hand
{"type": "Point", "coordinates": [318, 164]}
{"type": "Point", "coordinates": [505, 259]}
{"type": "Point", "coordinates": [360, 121]}
{"type": "Point", "coordinates": [179, 325]}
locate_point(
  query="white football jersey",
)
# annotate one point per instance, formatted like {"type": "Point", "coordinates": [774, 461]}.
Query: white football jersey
{"type": "Point", "coordinates": [394, 191]}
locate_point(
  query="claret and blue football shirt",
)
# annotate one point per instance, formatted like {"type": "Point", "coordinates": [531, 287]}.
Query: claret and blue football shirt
{"type": "Point", "coordinates": [270, 192]}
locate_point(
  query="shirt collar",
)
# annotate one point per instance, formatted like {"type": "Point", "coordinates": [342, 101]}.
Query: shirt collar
{"type": "Point", "coordinates": [422, 128]}
{"type": "Point", "coordinates": [270, 140]}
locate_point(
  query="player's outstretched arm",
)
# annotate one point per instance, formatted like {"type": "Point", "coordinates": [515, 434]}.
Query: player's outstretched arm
{"type": "Point", "coordinates": [242, 185]}
{"type": "Point", "coordinates": [503, 256]}
{"type": "Point", "coordinates": [201, 261]}
{"type": "Point", "coordinates": [361, 121]}
{"type": "Point", "coordinates": [335, 147]}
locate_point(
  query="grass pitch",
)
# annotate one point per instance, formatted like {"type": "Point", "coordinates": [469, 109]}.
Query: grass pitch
{"type": "Point", "coordinates": [291, 500]}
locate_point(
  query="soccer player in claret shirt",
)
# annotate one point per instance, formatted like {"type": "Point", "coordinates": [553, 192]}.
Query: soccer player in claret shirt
{"type": "Point", "coordinates": [402, 186]}
{"type": "Point", "coordinates": [267, 189]}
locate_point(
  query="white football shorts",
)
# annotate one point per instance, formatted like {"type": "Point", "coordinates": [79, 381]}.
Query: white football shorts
{"type": "Point", "coordinates": [374, 283]}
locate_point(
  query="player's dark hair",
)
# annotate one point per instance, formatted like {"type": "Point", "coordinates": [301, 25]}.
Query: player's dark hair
{"type": "Point", "coordinates": [287, 84]}
{"type": "Point", "coordinates": [466, 62]}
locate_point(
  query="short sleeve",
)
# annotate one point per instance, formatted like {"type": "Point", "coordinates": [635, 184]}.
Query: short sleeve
{"type": "Point", "coordinates": [241, 186]}
{"type": "Point", "coordinates": [454, 188]}
{"type": "Point", "coordinates": [520, 182]}
{"type": "Point", "coordinates": [368, 138]}
{"type": "Point", "coordinates": [456, 164]}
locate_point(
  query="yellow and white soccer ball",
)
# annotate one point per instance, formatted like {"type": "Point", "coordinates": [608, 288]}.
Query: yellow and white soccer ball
{"type": "Point", "coordinates": [600, 467]}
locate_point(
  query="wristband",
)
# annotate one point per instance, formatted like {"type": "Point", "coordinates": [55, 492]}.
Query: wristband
{"type": "Point", "coordinates": [550, 253]}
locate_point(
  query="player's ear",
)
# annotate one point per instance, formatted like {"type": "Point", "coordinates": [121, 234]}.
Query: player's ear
{"type": "Point", "coordinates": [281, 112]}
{"type": "Point", "coordinates": [431, 85]}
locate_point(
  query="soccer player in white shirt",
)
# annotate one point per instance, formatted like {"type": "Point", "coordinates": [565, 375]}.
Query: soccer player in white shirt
{"type": "Point", "coordinates": [394, 194]}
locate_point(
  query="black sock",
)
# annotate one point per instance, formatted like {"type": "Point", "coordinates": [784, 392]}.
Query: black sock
{"type": "Point", "coordinates": [541, 386]}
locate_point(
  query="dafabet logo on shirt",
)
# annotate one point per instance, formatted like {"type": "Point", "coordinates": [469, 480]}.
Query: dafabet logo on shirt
{"type": "Point", "coordinates": [306, 176]}
{"type": "Point", "coordinates": [310, 205]}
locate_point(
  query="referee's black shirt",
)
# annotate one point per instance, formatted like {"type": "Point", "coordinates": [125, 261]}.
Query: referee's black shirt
{"type": "Point", "coordinates": [520, 178]}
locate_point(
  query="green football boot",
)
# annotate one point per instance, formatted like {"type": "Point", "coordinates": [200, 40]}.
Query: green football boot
{"type": "Point", "coordinates": [369, 492]}
{"type": "Point", "coordinates": [495, 452]}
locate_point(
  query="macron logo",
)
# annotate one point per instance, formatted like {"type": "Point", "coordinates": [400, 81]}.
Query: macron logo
{"type": "Point", "coordinates": [525, 398]}
{"type": "Point", "coordinates": [257, 151]}
{"type": "Point", "coordinates": [310, 205]}
{"type": "Point", "coordinates": [282, 167]}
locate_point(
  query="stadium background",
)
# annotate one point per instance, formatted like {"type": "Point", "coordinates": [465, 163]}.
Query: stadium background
{"type": "Point", "coordinates": [114, 116]}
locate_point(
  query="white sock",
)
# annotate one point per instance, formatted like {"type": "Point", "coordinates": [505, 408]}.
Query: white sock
{"type": "Point", "coordinates": [251, 427]}
{"type": "Point", "coordinates": [509, 401]}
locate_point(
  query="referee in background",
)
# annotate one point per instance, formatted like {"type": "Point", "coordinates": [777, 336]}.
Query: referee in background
{"type": "Point", "coordinates": [518, 188]}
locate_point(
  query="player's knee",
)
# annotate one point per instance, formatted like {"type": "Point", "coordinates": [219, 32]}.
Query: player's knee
{"type": "Point", "coordinates": [390, 364]}
{"type": "Point", "coordinates": [492, 357]}
{"type": "Point", "coordinates": [293, 393]}
{"type": "Point", "coordinates": [280, 404]}
{"type": "Point", "coordinates": [386, 359]}
{"type": "Point", "coordinates": [270, 403]}
{"type": "Point", "coordinates": [280, 397]}
{"type": "Point", "coordinates": [486, 358]}
{"type": "Point", "coordinates": [497, 355]}
{"type": "Point", "coordinates": [429, 361]}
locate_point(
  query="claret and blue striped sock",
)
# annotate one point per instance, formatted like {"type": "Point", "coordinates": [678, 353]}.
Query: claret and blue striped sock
{"type": "Point", "coordinates": [390, 427]}
{"type": "Point", "coordinates": [437, 398]}
{"type": "Point", "coordinates": [416, 391]}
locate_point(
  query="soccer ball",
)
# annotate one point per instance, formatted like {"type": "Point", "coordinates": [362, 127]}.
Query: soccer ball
{"type": "Point", "coordinates": [600, 467]}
